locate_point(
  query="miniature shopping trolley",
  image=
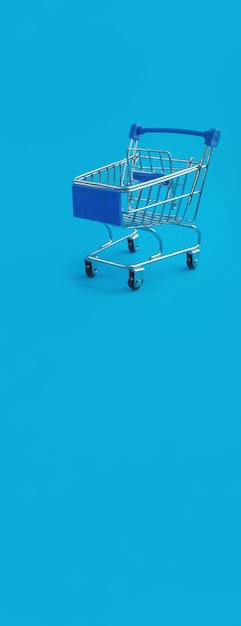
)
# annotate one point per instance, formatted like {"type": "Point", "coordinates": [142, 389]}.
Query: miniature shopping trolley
{"type": "Point", "coordinates": [142, 192]}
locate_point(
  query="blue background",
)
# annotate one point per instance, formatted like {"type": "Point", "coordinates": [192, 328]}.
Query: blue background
{"type": "Point", "coordinates": [120, 411]}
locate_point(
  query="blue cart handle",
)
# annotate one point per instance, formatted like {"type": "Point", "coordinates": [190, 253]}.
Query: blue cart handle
{"type": "Point", "coordinates": [211, 136]}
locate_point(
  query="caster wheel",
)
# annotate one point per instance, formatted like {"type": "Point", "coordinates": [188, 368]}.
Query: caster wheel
{"type": "Point", "coordinates": [192, 260]}
{"type": "Point", "coordinates": [132, 245]}
{"type": "Point", "coordinates": [89, 269]}
{"type": "Point", "coordinates": [134, 282]}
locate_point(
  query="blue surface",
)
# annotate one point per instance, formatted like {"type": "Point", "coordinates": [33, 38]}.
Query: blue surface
{"type": "Point", "coordinates": [120, 411]}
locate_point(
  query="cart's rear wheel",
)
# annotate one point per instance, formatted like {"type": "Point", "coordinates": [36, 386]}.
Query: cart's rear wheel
{"type": "Point", "coordinates": [134, 282]}
{"type": "Point", "coordinates": [132, 243]}
{"type": "Point", "coordinates": [192, 260]}
{"type": "Point", "coordinates": [90, 269]}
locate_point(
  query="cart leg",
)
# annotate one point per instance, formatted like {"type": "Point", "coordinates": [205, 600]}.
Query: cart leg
{"type": "Point", "coordinates": [110, 240]}
{"type": "Point", "coordinates": [192, 255]}
{"type": "Point", "coordinates": [153, 232]}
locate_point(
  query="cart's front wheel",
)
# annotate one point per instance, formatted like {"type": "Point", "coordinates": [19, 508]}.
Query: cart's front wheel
{"type": "Point", "coordinates": [134, 281]}
{"type": "Point", "coordinates": [132, 243]}
{"type": "Point", "coordinates": [90, 270]}
{"type": "Point", "coordinates": [192, 260]}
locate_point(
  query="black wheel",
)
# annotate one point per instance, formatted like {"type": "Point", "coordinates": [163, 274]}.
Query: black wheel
{"type": "Point", "coordinates": [90, 271]}
{"type": "Point", "coordinates": [132, 244]}
{"type": "Point", "coordinates": [133, 282]}
{"type": "Point", "coordinates": [192, 261]}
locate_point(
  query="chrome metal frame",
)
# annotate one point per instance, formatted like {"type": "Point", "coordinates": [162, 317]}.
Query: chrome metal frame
{"type": "Point", "coordinates": [94, 256]}
{"type": "Point", "coordinates": [170, 195]}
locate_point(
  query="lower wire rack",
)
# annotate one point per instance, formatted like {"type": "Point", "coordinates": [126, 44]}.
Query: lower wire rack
{"type": "Point", "coordinates": [136, 270]}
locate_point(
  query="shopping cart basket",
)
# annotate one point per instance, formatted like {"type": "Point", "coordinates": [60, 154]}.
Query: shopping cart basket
{"type": "Point", "coordinates": [147, 189]}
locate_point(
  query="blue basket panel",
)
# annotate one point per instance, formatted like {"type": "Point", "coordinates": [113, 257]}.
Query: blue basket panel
{"type": "Point", "coordinates": [143, 176]}
{"type": "Point", "coordinates": [97, 204]}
